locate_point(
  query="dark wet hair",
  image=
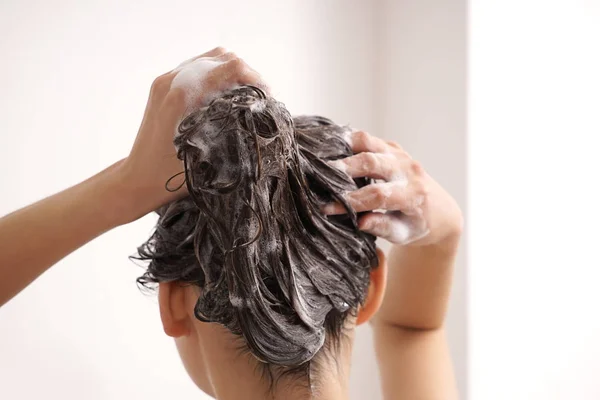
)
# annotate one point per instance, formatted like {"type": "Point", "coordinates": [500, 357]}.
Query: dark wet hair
{"type": "Point", "coordinates": [271, 266]}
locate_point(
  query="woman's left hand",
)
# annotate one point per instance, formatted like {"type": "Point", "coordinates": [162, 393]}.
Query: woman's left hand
{"type": "Point", "coordinates": [417, 210]}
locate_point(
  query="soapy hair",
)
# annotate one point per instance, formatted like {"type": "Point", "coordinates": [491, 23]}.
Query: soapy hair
{"type": "Point", "coordinates": [251, 235]}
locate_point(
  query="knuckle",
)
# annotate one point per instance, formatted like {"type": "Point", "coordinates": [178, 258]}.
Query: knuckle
{"type": "Point", "coordinates": [174, 99]}
{"type": "Point", "coordinates": [219, 50]}
{"type": "Point", "coordinates": [362, 136]}
{"type": "Point", "coordinates": [420, 189]}
{"type": "Point", "coordinates": [369, 160]}
{"type": "Point", "coordinates": [160, 84]}
{"type": "Point", "coordinates": [237, 65]}
{"type": "Point", "coordinates": [380, 194]}
{"type": "Point", "coordinates": [398, 150]}
{"type": "Point", "coordinates": [394, 144]}
{"type": "Point", "coordinates": [230, 55]}
{"type": "Point", "coordinates": [416, 167]}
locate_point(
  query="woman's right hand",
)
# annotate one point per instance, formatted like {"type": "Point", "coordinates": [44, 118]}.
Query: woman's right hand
{"type": "Point", "coordinates": [153, 160]}
{"type": "Point", "coordinates": [34, 238]}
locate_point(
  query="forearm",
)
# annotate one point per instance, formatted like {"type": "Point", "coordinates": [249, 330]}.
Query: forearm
{"type": "Point", "coordinates": [34, 238]}
{"type": "Point", "coordinates": [418, 287]}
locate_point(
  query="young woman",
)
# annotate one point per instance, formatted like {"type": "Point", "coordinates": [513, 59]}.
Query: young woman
{"type": "Point", "coordinates": [264, 252]}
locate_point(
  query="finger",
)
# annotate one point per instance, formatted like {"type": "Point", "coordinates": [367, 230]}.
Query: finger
{"type": "Point", "coordinates": [393, 144]}
{"type": "Point", "coordinates": [212, 54]}
{"type": "Point", "coordinates": [231, 74]}
{"type": "Point", "coordinates": [373, 165]}
{"type": "Point", "coordinates": [396, 148]}
{"type": "Point", "coordinates": [361, 141]}
{"type": "Point", "coordinates": [217, 51]}
{"type": "Point", "coordinates": [384, 196]}
{"type": "Point", "coordinates": [201, 66]}
{"type": "Point", "coordinates": [395, 195]}
{"type": "Point", "coordinates": [159, 89]}
{"type": "Point", "coordinates": [228, 56]}
{"type": "Point", "coordinates": [393, 226]}
{"type": "Point", "coordinates": [385, 226]}
{"type": "Point", "coordinates": [251, 77]}
{"type": "Point", "coordinates": [217, 80]}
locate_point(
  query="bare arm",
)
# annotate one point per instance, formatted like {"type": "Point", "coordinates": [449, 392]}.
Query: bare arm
{"type": "Point", "coordinates": [34, 238]}
{"type": "Point", "coordinates": [410, 342]}
{"type": "Point", "coordinates": [424, 223]}
{"type": "Point", "coordinates": [419, 283]}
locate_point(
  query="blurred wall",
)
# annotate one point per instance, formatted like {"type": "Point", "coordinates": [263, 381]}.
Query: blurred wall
{"type": "Point", "coordinates": [75, 80]}
{"type": "Point", "coordinates": [421, 92]}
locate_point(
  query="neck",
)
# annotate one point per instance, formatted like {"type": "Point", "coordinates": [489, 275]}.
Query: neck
{"type": "Point", "coordinates": [233, 375]}
{"type": "Point", "coordinates": [243, 378]}
{"type": "Point", "coordinates": [253, 385]}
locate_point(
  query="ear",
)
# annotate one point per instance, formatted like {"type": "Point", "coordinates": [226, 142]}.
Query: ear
{"type": "Point", "coordinates": [171, 301]}
{"type": "Point", "coordinates": [377, 286]}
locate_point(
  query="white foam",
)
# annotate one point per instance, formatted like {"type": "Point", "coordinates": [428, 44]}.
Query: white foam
{"type": "Point", "coordinates": [339, 164]}
{"type": "Point", "coordinates": [271, 245]}
{"type": "Point", "coordinates": [347, 135]}
{"type": "Point", "coordinates": [199, 143]}
{"type": "Point", "coordinates": [191, 75]}
{"type": "Point", "coordinates": [419, 234]}
{"type": "Point", "coordinates": [406, 229]}
{"type": "Point", "coordinates": [399, 231]}
{"type": "Point", "coordinates": [381, 193]}
{"type": "Point", "coordinates": [399, 177]}
{"type": "Point", "coordinates": [237, 301]}
{"type": "Point", "coordinates": [257, 106]}
{"type": "Point", "coordinates": [183, 64]}
{"type": "Point", "coordinates": [209, 128]}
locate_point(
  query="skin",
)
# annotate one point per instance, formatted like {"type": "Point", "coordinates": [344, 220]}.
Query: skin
{"type": "Point", "coordinates": [408, 293]}
{"type": "Point", "coordinates": [411, 348]}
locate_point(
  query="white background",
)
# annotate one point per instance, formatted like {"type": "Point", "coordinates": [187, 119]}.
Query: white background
{"type": "Point", "coordinates": [74, 81]}
{"type": "Point", "coordinates": [534, 269]}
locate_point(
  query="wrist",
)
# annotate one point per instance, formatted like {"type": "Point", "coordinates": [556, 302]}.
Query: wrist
{"type": "Point", "coordinates": [120, 197]}
{"type": "Point", "coordinates": [135, 196]}
{"type": "Point", "coordinates": [448, 245]}
{"type": "Point", "coordinates": [444, 247]}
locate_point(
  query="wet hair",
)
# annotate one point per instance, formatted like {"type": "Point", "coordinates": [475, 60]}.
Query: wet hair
{"type": "Point", "coordinates": [251, 235]}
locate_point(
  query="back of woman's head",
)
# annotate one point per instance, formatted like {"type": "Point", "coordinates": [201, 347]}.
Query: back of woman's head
{"type": "Point", "coordinates": [270, 265]}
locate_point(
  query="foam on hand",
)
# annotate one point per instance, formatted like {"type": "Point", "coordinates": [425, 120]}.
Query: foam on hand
{"type": "Point", "coordinates": [340, 165]}
{"type": "Point", "coordinates": [397, 227]}
{"type": "Point", "coordinates": [409, 225]}
{"type": "Point", "coordinates": [190, 77]}
{"type": "Point", "coordinates": [404, 221]}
